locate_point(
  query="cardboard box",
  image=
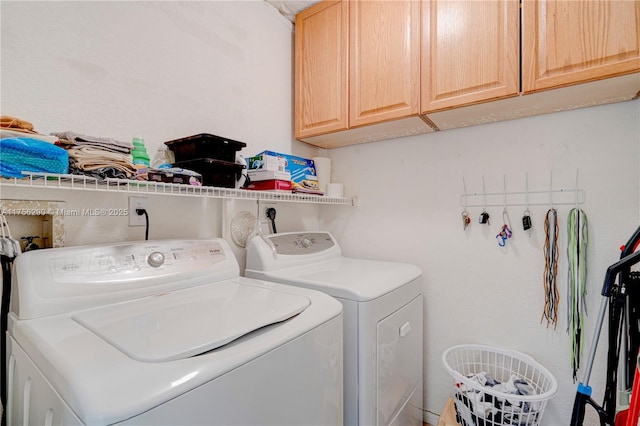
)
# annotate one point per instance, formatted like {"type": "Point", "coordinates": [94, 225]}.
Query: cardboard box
{"type": "Point", "coordinates": [448, 416]}
{"type": "Point", "coordinates": [302, 170]}
{"type": "Point", "coordinates": [257, 175]}
{"type": "Point", "coordinates": [266, 162]}
{"type": "Point", "coordinates": [308, 185]}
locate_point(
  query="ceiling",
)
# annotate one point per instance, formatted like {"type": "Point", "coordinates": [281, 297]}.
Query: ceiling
{"type": "Point", "coordinates": [290, 8]}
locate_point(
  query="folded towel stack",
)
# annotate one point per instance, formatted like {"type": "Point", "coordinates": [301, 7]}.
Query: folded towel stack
{"type": "Point", "coordinates": [14, 127]}
{"type": "Point", "coordinates": [16, 124]}
{"type": "Point", "coordinates": [107, 144]}
{"type": "Point", "coordinates": [96, 156]}
{"type": "Point", "coordinates": [31, 155]}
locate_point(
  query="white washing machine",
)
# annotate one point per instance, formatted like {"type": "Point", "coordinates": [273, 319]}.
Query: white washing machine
{"type": "Point", "coordinates": [382, 318]}
{"type": "Point", "coordinates": [167, 333]}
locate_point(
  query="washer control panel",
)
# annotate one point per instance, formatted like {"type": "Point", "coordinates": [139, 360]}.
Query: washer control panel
{"type": "Point", "coordinates": [302, 243]}
{"type": "Point", "coordinates": [133, 261]}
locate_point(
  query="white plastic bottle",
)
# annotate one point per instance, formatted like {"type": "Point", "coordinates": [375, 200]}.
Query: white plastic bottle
{"type": "Point", "coordinates": [162, 159]}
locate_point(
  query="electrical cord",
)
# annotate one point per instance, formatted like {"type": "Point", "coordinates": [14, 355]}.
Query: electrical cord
{"type": "Point", "coordinates": [140, 212]}
{"type": "Point", "coordinates": [271, 215]}
{"type": "Point", "coordinates": [5, 263]}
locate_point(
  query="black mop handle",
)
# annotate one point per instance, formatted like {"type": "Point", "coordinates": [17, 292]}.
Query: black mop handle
{"type": "Point", "coordinates": [609, 278]}
{"type": "Point", "coordinates": [583, 395]}
{"type": "Point", "coordinates": [615, 269]}
{"type": "Point", "coordinates": [630, 247]}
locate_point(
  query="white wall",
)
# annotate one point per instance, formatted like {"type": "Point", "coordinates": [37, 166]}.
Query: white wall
{"type": "Point", "coordinates": [476, 292]}
{"type": "Point", "coordinates": [162, 70]}
{"type": "Point", "coordinates": [171, 69]}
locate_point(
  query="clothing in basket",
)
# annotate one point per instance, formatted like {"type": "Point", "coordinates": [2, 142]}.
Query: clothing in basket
{"type": "Point", "coordinates": [496, 410]}
{"type": "Point", "coordinates": [498, 387]}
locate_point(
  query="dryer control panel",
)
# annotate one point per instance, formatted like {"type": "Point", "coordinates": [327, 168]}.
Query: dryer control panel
{"type": "Point", "coordinates": [302, 243]}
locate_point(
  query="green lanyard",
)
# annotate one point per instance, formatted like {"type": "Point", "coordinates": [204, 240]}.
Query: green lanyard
{"type": "Point", "coordinates": [577, 282]}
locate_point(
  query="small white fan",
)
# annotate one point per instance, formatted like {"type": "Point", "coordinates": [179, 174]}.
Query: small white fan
{"type": "Point", "coordinates": [242, 226]}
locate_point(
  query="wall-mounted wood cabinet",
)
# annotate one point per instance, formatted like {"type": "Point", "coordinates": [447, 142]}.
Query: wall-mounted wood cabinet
{"type": "Point", "coordinates": [574, 53]}
{"type": "Point", "coordinates": [569, 42]}
{"type": "Point", "coordinates": [477, 62]}
{"type": "Point", "coordinates": [358, 72]}
{"type": "Point", "coordinates": [470, 52]}
{"type": "Point", "coordinates": [384, 61]}
{"type": "Point", "coordinates": [322, 69]}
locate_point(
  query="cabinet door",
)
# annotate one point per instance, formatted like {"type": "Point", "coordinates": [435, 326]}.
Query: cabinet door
{"type": "Point", "coordinates": [384, 60]}
{"type": "Point", "coordinates": [321, 69]}
{"type": "Point", "coordinates": [573, 41]}
{"type": "Point", "coordinates": [470, 52]}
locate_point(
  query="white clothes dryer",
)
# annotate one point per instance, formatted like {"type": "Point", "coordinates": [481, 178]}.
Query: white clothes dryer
{"type": "Point", "coordinates": [383, 315]}
{"type": "Point", "coordinates": [167, 333]}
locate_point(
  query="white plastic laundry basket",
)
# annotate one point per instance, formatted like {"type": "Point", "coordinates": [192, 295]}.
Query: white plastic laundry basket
{"type": "Point", "coordinates": [479, 404]}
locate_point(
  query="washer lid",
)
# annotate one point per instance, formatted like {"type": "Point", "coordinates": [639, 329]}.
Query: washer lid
{"type": "Point", "coordinates": [189, 322]}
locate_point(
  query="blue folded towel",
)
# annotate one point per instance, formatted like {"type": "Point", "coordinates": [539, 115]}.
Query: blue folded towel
{"type": "Point", "coordinates": [31, 155]}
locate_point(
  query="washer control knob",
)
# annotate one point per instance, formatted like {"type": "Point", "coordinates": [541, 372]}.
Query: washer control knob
{"type": "Point", "coordinates": [306, 243]}
{"type": "Point", "coordinates": [156, 259]}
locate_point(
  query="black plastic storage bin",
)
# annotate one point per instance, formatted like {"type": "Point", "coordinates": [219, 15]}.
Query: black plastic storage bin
{"type": "Point", "coordinates": [205, 145]}
{"type": "Point", "coordinates": [214, 172]}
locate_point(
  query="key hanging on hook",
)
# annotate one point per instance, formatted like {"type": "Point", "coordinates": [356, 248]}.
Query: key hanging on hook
{"type": "Point", "coordinates": [465, 214]}
{"type": "Point", "coordinates": [526, 216]}
{"type": "Point", "coordinates": [503, 235]}
{"type": "Point", "coordinates": [505, 232]}
{"type": "Point", "coordinates": [465, 219]}
{"type": "Point", "coordinates": [484, 218]}
{"type": "Point", "coordinates": [526, 220]}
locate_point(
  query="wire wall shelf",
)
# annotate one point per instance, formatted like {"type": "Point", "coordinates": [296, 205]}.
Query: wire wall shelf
{"type": "Point", "coordinates": [88, 183]}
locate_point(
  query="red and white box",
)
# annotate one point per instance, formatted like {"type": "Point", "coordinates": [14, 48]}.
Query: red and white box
{"type": "Point", "coordinates": [270, 185]}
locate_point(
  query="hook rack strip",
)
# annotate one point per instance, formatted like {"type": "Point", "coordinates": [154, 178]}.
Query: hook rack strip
{"type": "Point", "coordinates": [524, 198]}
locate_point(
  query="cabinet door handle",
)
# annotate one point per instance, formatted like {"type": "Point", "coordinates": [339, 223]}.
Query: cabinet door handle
{"type": "Point", "coordinates": [405, 329]}
{"type": "Point", "coordinates": [48, 420]}
{"type": "Point", "coordinates": [26, 398]}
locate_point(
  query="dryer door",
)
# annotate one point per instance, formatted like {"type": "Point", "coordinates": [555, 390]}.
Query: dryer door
{"type": "Point", "coordinates": [399, 370]}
